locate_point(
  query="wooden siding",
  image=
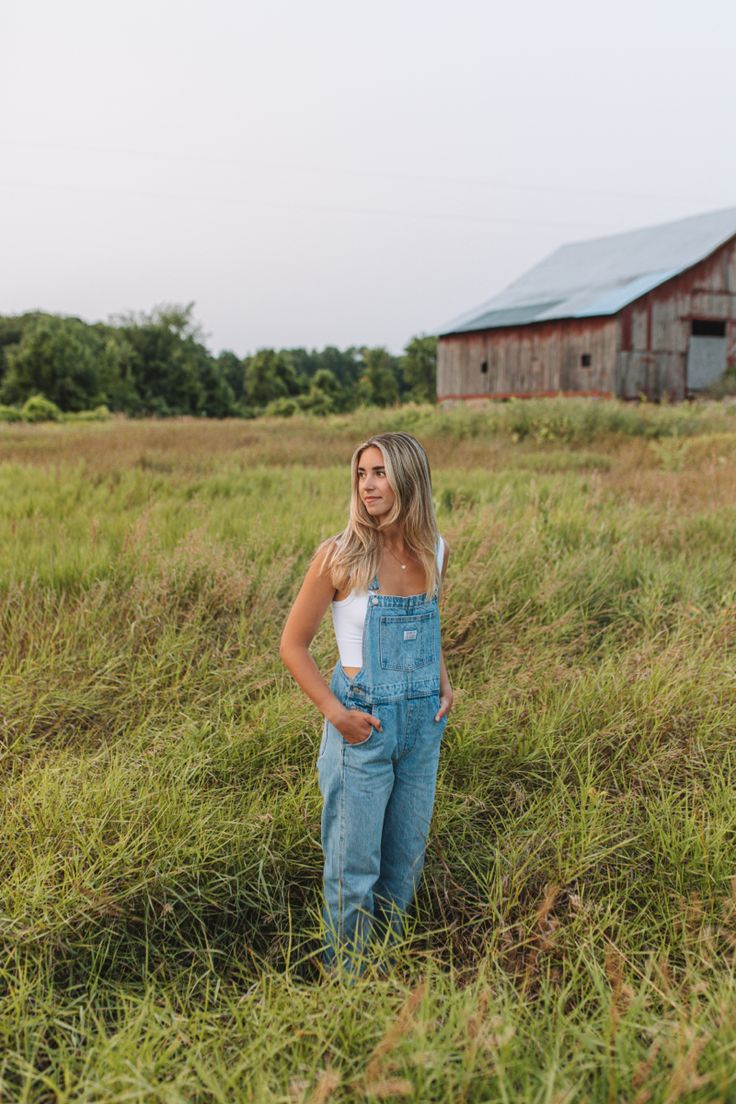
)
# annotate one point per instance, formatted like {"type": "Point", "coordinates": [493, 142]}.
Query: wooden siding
{"type": "Point", "coordinates": [641, 350]}
{"type": "Point", "coordinates": [655, 363]}
{"type": "Point", "coordinates": [544, 358]}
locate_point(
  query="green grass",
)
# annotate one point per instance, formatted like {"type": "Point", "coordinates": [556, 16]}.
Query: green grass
{"type": "Point", "coordinates": [575, 933]}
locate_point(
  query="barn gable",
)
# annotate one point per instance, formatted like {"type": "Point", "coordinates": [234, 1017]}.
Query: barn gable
{"type": "Point", "coordinates": [601, 276]}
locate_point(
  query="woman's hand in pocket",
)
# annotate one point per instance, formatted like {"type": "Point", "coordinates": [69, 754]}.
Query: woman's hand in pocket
{"type": "Point", "coordinates": [355, 727]}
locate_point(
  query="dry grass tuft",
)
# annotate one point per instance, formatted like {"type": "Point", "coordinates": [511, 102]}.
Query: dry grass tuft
{"type": "Point", "coordinates": [396, 1031]}
{"type": "Point", "coordinates": [328, 1082]}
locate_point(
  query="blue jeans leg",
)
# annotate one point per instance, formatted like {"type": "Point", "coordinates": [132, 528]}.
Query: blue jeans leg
{"type": "Point", "coordinates": [356, 783]}
{"type": "Point", "coordinates": [407, 820]}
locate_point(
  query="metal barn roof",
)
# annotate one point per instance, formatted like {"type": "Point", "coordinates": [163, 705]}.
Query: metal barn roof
{"type": "Point", "coordinates": [603, 275]}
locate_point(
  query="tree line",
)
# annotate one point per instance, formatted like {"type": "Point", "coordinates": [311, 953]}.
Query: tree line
{"type": "Point", "coordinates": [157, 364]}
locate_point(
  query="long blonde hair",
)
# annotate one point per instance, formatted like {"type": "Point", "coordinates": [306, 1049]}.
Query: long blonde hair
{"type": "Point", "coordinates": [353, 557]}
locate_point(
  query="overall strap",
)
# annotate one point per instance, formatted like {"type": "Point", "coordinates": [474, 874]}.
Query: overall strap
{"type": "Point", "coordinates": [373, 584]}
{"type": "Point", "coordinates": [440, 553]}
{"type": "Point", "coordinates": [440, 557]}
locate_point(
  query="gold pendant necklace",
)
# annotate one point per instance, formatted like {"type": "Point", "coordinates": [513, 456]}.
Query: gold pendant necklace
{"type": "Point", "coordinates": [401, 565]}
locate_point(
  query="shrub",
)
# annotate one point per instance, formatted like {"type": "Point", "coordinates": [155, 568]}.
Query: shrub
{"type": "Point", "coordinates": [10, 414]}
{"type": "Point", "coordinates": [282, 408]}
{"type": "Point", "coordinates": [37, 408]}
{"type": "Point", "coordinates": [99, 414]}
{"type": "Point", "coordinates": [317, 402]}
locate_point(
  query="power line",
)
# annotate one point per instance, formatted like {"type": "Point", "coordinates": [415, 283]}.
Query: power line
{"type": "Point", "coordinates": [331, 171]}
{"type": "Point", "coordinates": [331, 209]}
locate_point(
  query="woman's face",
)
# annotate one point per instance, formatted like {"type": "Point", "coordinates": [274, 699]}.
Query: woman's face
{"type": "Point", "coordinates": [373, 486]}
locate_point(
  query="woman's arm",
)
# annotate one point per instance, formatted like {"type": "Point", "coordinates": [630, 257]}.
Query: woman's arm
{"type": "Point", "coordinates": [446, 694]}
{"type": "Point", "coordinates": [304, 619]}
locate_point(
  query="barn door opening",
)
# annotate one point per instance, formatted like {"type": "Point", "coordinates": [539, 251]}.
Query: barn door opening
{"type": "Point", "coordinates": [706, 353]}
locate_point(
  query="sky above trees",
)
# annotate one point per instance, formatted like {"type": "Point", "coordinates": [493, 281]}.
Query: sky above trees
{"type": "Point", "coordinates": [344, 174]}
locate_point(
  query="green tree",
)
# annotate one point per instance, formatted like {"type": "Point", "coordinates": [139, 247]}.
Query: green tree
{"type": "Point", "coordinates": [116, 357]}
{"type": "Point", "coordinates": [174, 373]}
{"type": "Point", "coordinates": [232, 369]}
{"type": "Point", "coordinates": [419, 368]}
{"type": "Point", "coordinates": [12, 328]}
{"type": "Point", "coordinates": [345, 364]}
{"type": "Point", "coordinates": [58, 357]}
{"type": "Point", "coordinates": [303, 365]}
{"type": "Point", "coordinates": [218, 399]}
{"type": "Point", "coordinates": [326, 381]}
{"type": "Point", "coordinates": [378, 385]}
{"type": "Point", "coordinates": [269, 375]}
{"type": "Point", "coordinates": [325, 394]}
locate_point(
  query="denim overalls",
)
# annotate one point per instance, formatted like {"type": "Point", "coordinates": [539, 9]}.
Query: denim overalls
{"type": "Point", "coordinates": [378, 795]}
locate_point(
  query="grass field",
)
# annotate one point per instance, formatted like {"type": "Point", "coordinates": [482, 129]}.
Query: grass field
{"type": "Point", "coordinates": [575, 936]}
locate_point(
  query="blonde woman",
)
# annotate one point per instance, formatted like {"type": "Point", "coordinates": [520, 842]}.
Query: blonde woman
{"type": "Point", "coordinates": [389, 696]}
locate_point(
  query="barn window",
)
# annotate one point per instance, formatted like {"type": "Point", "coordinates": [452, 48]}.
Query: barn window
{"type": "Point", "coordinates": [585, 360]}
{"type": "Point", "coordinates": [706, 327]}
{"type": "Point", "coordinates": [484, 366]}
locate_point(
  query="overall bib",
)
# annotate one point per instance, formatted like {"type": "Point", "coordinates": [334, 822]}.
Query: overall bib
{"type": "Point", "coordinates": [378, 795]}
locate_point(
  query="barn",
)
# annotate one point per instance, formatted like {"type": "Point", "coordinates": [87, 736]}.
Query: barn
{"type": "Point", "coordinates": [649, 312]}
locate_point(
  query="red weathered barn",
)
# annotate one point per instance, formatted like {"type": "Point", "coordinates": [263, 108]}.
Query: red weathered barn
{"type": "Point", "coordinates": [649, 312]}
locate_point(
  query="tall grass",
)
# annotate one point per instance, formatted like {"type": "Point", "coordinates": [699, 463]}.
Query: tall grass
{"type": "Point", "coordinates": [575, 933]}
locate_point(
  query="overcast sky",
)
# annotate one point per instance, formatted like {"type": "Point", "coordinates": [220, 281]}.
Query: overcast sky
{"type": "Point", "coordinates": [316, 172]}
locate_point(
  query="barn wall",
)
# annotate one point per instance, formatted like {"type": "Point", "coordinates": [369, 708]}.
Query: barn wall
{"type": "Point", "coordinates": [655, 331]}
{"type": "Point", "coordinates": [543, 358]}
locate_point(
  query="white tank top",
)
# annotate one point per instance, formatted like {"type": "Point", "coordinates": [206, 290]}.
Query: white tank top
{"type": "Point", "coordinates": [348, 619]}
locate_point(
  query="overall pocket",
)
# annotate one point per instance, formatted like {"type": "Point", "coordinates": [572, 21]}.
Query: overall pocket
{"type": "Point", "coordinates": [408, 641]}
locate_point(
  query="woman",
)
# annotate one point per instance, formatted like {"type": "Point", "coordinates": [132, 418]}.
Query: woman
{"type": "Point", "coordinates": [389, 697]}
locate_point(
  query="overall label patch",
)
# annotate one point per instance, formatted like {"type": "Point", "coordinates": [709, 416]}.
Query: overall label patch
{"type": "Point", "coordinates": [410, 634]}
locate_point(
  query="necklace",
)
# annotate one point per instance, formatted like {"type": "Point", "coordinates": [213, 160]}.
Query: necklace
{"type": "Point", "coordinates": [403, 566]}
